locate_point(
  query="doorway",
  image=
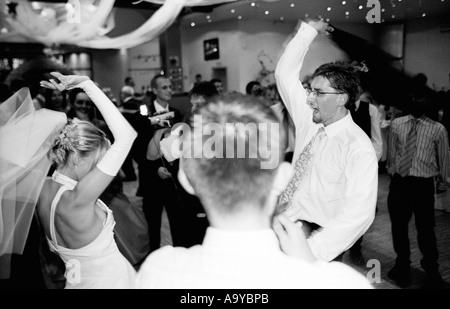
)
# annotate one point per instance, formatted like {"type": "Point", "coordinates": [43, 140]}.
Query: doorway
{"type": "Point", "coordinates": [221, 73]}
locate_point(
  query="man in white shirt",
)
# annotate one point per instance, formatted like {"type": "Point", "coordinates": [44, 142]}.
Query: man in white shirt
{"type": "Point", "coordinates": [239, 193]}
{"type": "Point", "coordinates": [366, 116]}
{"type": "Point", "coordinates": [338, 192]}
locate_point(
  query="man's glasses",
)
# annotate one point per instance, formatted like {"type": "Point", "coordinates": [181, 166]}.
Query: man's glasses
{"type": "Point", "coordinates": [317, 93]}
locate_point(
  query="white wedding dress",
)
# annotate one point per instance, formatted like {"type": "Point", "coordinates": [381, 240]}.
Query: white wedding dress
{"type": "Point", "coordinates": [98, 265]}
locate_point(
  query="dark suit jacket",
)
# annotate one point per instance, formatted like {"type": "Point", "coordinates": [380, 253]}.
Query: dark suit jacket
{"type": "Point", "coordinates": [138, 151]}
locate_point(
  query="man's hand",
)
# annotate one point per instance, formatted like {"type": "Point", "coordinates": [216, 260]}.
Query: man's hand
{"type": "Point", "coordinates": [66, 82]}
{"type": "Point", "coordinates": [441, 187]}
{"type": "Point", "coordinates": [163, 173]}
{"type": "Point", "coordinates": [320, 26]}
{"type": "Point", "coordinates": [292, 238]}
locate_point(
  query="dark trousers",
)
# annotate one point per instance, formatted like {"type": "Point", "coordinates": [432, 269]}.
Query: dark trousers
{"type": "Point", "coordinates": [408, 196]}
{"type": "Point", "coordinates": [128, 168]}
{"type": "Point", "coordinates": [165, 196]}
{"type": "Point", "coordinates": [356, 248]}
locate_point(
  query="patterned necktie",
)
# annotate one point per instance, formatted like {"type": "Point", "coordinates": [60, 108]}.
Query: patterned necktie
{"type": "Point", "coordinates": [301, 167]}
{"type": "Point", "coordinates": [405, 162]}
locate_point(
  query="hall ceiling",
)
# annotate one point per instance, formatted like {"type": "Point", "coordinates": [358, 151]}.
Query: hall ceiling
{"type": "Point", "coordinates": [354, 11]}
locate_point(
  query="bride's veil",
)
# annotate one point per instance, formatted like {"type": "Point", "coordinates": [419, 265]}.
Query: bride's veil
{"type": "Point", "coordinates": [26, 135]}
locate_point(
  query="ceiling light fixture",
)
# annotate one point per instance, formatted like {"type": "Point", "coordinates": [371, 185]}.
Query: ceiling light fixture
{"type": "Point", "coordinates": [233, 11]}
{"type": "Point", "coordinates": [328, 9]}
{"type": "Point", "coordinates": [343, 2]}
{"type": "Point", "coordinates": [360, 7]}
{"type": "Point", "coordinates": [252, 4]}
{"type": "Point", "coordinates": [266, 12]}
{"type": "Point", "coordinates": [292, 5]}
{"type": "Point", "coordinates": [192, 24]}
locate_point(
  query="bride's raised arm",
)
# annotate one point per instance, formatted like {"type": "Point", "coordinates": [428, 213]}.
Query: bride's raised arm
{"type": "Point", "coordinates": [95, 182]}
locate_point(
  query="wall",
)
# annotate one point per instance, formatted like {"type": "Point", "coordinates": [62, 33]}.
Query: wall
{"type": "Point", "coordinates": [111, 66]}
{"type": "Point", "coordinates": [252, 38]}
{"type": "Point", "coordinates": [427, 51]}
{"type": "Point", "coordinates": [192, 52]}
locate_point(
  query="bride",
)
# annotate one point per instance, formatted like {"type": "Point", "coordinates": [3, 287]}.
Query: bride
{"type": "Point", "coordinates": [79, 226]}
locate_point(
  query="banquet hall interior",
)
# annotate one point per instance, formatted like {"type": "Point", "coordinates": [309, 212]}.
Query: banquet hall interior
{"type": "Point", "coordinates": [237, 41]}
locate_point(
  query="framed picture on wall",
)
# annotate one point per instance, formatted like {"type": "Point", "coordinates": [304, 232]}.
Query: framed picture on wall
{"type": "Point", "coordinates": [211, 49]}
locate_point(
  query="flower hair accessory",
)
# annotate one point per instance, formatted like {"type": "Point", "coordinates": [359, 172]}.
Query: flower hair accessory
{"type": "Point", "coordinates": [361, 67]}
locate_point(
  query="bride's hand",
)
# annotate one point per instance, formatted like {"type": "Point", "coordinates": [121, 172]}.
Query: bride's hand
{"type": "Point", "coordinates": [66, 82]}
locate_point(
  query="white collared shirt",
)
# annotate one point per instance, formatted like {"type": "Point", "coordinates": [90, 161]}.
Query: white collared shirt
{"type": "Point", "coordinates": [340, 191]}
{"type": "Point", "coordinates": [159, 108]}
{"type": "Point", "coordinates": [241, 260]}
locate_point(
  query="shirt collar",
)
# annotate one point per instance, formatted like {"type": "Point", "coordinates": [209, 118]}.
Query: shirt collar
{"type": "Point", "coordinates": [423, 119]}
{"type": "Point", "coordinates": [333, 129]}
{"type": "Point", "coordinates": [127, 99]}
{"type": "Point", "coordinates": [160, 108]}
{"type": "Point", "coordinates": [251, 240]}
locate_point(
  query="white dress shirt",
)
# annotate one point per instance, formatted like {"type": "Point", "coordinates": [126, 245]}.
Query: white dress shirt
{"type": "Point", "coordinates": [340, 191]}
{"type": "Point", "coordinates": [375, 130]}
{"type": "Point", "coordinates": [159, 108]}
{"type": "Point", "coordinates": [241, 260]}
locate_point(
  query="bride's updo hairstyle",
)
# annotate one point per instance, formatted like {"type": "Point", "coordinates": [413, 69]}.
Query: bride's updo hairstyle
{"type": "Point", "coordinates": [80, 138]}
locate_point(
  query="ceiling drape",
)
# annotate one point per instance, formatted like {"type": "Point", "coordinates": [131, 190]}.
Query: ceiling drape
{"type": "Point", "coordinates": [53, 26]}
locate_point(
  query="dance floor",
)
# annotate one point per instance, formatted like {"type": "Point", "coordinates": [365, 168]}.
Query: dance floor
{"type": "Point", "coordinates": [377, 245]}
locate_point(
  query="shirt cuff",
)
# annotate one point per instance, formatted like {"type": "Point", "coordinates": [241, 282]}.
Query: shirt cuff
{"type": "Point", "coordinates": [308, 32]}
{"type": "Point", "coordinates": [318, 251]}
